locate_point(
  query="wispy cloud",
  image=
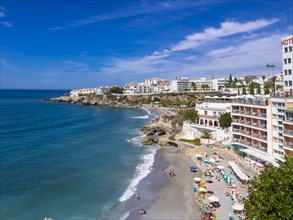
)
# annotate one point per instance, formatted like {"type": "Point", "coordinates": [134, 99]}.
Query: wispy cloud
{"type": "Point", "coordinates": [6, 65]}
{"type": "Point", "coordinates": [67, 68]}
{"type": "Point", "coordinates": [146, 8]}
{"type": "Point", "coordinates": [227, 28]}
{"type": "Point", "coordinates": [179, 59]}
{"type": "Point", "coordinates": [4, 23]}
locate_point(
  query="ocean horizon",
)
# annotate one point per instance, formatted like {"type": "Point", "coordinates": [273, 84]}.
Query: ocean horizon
{"type": "Point", "coordinates": [68, 161]}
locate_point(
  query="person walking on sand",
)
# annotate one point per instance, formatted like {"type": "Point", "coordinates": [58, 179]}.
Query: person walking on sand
{"type": "Point", "coordinates": [137, 196]}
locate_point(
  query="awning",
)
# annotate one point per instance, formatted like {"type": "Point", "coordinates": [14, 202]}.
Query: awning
{"type": "Point", "coordinates": [258, 155]}
{"type": "Point", "coordinates": [237, 171]}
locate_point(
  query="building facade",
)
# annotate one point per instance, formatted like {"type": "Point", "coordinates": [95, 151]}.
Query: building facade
{"type": "Point", "coordinates": [209, 114]}
{"type": "Point", "coordinates": [180, 85]}
{"type": "Point", "coordinates": [287, 60]}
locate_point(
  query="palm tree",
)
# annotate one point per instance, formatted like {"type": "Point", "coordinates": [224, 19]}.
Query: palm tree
{"type": "Point", "coordinates": [272, 66]}
{"type": "Point", "coordinates": [206, 135]}
{"type": "Point", "coordinates": [268, 66]}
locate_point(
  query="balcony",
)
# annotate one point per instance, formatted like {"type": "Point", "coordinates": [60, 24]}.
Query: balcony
{"type": "Point", "coordinates": [250, 102]}
{"type": "Point", "coordinates": [249, 144]}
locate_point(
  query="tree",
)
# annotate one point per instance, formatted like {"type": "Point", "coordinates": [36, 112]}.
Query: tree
{"type": "Point", "coordinates": [273, 83]}
{"type": "Point", "coordinates": [270, 194]}
{"type": "Point", "coordinates": [225, 120]}
{"type": "Point", "coordinates": [268, 67]}
{"type": "Point", "coordinates": [243, 90]}
{"type": "Point", "coordinates": [206, 135]}
{"type": "Point", "coordinates": [190, 114]}
{"type": "Point", "coordinates": [238, 92]}
{"type": "Point", "coordinates": [230, 80]}
{"type": "Point", "coordinates": [258, 90]}
{"type": "Point", "coordinates": [246, 80]}
{"type": "Point", "coordinates": [193, 86]}
{"type": "Point", "coordinates": [272, 66]}
{"type": "Point", "coordinates": [204, 86]}
{"type": "Point", "coordinates": [116, 90]}
{"type": "Point", "coordinates": [251, 89]}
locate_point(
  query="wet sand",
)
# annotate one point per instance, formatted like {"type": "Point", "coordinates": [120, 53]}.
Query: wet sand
{"type": "Point", "coordinates": [176, 199]}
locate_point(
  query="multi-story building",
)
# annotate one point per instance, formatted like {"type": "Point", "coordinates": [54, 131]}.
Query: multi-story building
{"type": "Point", "coordinates": [180, 85]}
{"type": "Point", "coordinates": [218, 84]}
{"type": "Point", "coordinates": [84, 91]}
{"type": "Point", "coordinates": [203, 84]}
{"type": "Point", "coordinates": [287, 58]}
{"type": "Point", "coordinates": [251, 127]}
{"type": "Point", "coordinates": [209, 114]}
{"type": "Point", "coordinates": [282, 125]}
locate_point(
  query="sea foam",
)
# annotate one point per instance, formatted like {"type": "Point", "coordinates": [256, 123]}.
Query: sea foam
{"type": "Point", "coordinates": [142, 170]}
{"type": "Point", "coordinates": [141, 117]}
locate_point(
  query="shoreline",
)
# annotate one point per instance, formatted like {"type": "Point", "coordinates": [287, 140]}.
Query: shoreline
{"type": "Point", "coordinates": [157, 189]}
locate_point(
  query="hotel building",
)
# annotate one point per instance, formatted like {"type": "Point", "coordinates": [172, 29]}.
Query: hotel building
{"type": "Point", "coordinates": [262, 126]}
{"type": "Point", "coordinates": [287, 58]}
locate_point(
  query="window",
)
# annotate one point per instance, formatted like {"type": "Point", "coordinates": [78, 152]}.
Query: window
{"type": "Point", "coordinates": [205, 112]}
{"type": "Point", "coordinates": [286, 49]}
{"type": "Point", "coordinates": [289, 60]}
{"type": "Point", "coordinates": [290, 49]}
{"type": "Point", "coordinates": [215, 113]}
{"type": "Point", "coordinates": [285, 61]}
{"type": "Point", "coordinates": [285, 72]}
{"type": "Point", "coordinates": [286, 83]}
{"type": "Point", "coordinates": [289, 72]}
{"type": "Point", "coordinates": [290, 83]}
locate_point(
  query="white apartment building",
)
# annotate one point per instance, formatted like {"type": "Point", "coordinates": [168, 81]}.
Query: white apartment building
{"type": "Point", "coordinates": [84, 91]}
{"type": "Point", "coordinates": [102, 90]}
{"type": "Point", "coordinates": [251, 128]}
{"type": "Point", "coordinates": [136, 88]}
{"type": "Point", "coordinates": [153, 81]}
{"type": "Point", "coordinates": [203, 81]}
{"type": "Point", "coordinates": [218, 84]}
{"type": "Point", "coordinates": [209, 114]}
{"type": "Point", "coordinates": [180, 85]}
{"type": "Point", "coordinates": [287, 58]}
{"type": "Point", "coordinates": [282, 125]}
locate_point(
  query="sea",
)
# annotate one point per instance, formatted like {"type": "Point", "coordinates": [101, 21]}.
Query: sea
{"type": "Point", "coordinates": [68, 161]}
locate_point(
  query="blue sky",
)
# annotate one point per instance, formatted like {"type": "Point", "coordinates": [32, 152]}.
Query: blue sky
{"type": "Point", "coordinates": [73, 44]}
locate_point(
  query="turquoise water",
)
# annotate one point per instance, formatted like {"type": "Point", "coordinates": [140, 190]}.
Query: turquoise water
{"type": "Point", "coordinates": [67, 161]}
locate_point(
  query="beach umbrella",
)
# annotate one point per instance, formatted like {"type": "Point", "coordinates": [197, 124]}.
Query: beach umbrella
{"type": "Point", "coordinates": [220, 167]}
{"type": "Point", "coordinates": [197, 179]}
{"type": "Point", "coordinates": [202, 189]}
{"type": "Point", "coordinates": [233, 97]}
{"type": "Point", "coordinates": [237, 97]}
{"type": "Point", "coordinates": [215, 97]}
{"type": "Point", "coordinates": [213, 198]}
{"type": "Point", "coordinates": [258, 95]}
{"type": "Point", "coordinates": [267, 96]}
{"type": "Point", "coordinates": [249, 96]}
{"type": "Point", "coordinates": [224, 97]}
{"type": "Point", "coordinates": [238, 207]}
{"type": "Point", "coordinates": [211, 160]}
{"type": "Point", "coordinates": [202, 183]}
{"type": "Point", "coordinates": [207, 97]}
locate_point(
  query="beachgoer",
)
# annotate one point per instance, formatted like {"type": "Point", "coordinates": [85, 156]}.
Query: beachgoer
{"type": "Point", "coordinates": [137, 196]}
{"type": "Point", "coordinates": [142, 212]}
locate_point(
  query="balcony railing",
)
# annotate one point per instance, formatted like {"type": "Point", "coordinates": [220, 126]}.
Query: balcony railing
{"type": "Point", "coordinates": [288, 131]}
{"type": "Point", "coordinates": [250, 102]}
{"type": "Point", "coordinates": [249, 144]}
{"type": "Point", "coordinates": [243, 112]}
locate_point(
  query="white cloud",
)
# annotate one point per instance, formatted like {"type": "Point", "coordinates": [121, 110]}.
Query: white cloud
{"type": "Point", "coordinates": [244, 55]}
{"type": "Point", "coordinates": [146, 8]}
{"type": "Point", "coordinates": [2, 14]}
{"type": "Point", "coordinates": [6, 24]}
{"type": "Point", "coordinates": [227, 28]}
